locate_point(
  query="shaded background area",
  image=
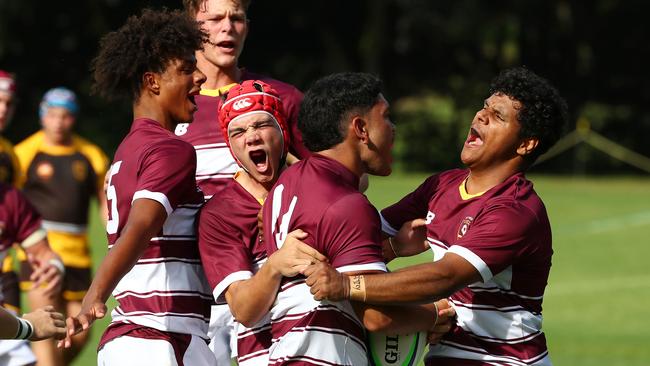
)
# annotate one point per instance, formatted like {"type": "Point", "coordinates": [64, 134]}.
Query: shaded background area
{"type": "Point", "coordinates": [436, 59]}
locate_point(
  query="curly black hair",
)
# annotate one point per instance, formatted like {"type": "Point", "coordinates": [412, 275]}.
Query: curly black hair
{"type": "Point", "coordinates": [328, 104]}
{"type": "Point", "coordinates": [145, 43]}
{"type": "Point", "coordinates": [543, 114]}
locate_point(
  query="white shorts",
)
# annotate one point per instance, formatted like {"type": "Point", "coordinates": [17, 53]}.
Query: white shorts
{"type": "Point", "coordinates": [222, 332]}
{"type": "Point", "coordinates": [133, 351]}
{"type": "Point", "coordinates": [16, 353]}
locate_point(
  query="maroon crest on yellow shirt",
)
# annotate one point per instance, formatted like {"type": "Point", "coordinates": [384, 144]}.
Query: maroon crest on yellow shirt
{"type": "Point", "coordinates": [464, 226]}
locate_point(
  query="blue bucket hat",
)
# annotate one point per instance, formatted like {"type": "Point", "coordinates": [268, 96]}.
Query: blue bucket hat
{"type": "Point", "coordinates": [59, 97]}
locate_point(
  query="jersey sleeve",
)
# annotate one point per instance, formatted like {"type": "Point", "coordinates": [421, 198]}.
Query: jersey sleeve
{"type": "Point", "coordinates": [25, 152]}
{"type": "Point", "coordinates": [26, 226]}
{"type": "Point", "coordinates": [224, 254]}
{"type": "Point", "coordinates": [166, 174]}
{"type": "Point", "coordinates": [498, 236]}
{"type": "Point", "coordinates": [352, 232]}
{"type": "Point", "coordinates": [99, 162]}
{"type": "Point", "coordinates": [412, 206]}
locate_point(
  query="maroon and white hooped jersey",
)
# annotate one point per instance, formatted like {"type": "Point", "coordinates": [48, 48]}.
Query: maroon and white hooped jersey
{"type": "Point", "coordinates": [321, 197]}
{"type": "Point", "coordinates": [166, 289]}
{"type": "Point", "coordinates": [19, 222]}
{"type": "Point", "coordinates": [231, 252]}
{"type": "Point", "coordinates": [215, 164]}
{"type": "Point", "coordinates": [505, 234]}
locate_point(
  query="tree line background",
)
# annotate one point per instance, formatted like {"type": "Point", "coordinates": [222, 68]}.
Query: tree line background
{"type": "Point", "coordinates": [435, 57]}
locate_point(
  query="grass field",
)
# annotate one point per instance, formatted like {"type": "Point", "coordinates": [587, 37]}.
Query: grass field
{"type": "Point", "coordinates": [596, 303]}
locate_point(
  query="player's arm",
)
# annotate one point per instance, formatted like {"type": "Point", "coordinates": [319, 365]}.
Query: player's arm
{"type": "Point", "coordinates": [250, 299]}
{"type": "Point", "coordinates": [488, 248]}
{"type": "Point", "coordinates": [401, 319]}
{"type": "Point", "coordinates": [38, 325]}
{"type": "Point", "coordinates": [402, 223]}
{"type": "Point", "coordinates": [409, 240]}
{"type": "Point", "coordinates": [420, 283]}
{"type": "Point", "coordinates": [145, 220]}
{"type": "Point", "coordinates": [47, 266]}
{"type": "Point", "coordinates": [48, 269]}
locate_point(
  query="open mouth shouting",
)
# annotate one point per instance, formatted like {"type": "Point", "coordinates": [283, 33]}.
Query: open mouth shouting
{"type": "Point", "coordinates": [474, 138]}
{"type": "Point", "coordinates": [260, 160]}
{"type": "Point", "coordinates": [227, 46]}
{"type": "Point", "coordinates": [191, 96]}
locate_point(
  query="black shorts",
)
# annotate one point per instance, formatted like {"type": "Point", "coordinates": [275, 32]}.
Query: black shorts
{"type": "Point", "coordinates": [10, 291]}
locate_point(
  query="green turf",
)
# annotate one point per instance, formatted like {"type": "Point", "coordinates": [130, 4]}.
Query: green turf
{"type": "Point", "coordinates": [596, 303]}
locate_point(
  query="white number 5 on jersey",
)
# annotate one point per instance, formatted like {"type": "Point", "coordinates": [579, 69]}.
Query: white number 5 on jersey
{"type": "Point", "coordinates": [111, 195]}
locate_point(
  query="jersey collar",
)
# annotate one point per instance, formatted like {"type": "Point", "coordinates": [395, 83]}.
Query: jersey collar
{"type": "Point", "coordinates": [464, 195]}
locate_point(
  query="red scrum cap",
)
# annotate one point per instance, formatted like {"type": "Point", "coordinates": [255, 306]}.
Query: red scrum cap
{"type": "Point", "coordinates": [7, 82]}
{"type": "Point", "coordinates": [250, 97]}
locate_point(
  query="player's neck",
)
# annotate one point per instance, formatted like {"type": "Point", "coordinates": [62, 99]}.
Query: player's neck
{"type": "Point", "coordinates": [217, 77]}
{"type": "Point", "coordinates": [256, 189]}
{"type": "Point", "coordinates": [346, 156]}
{"type": "Point", "coordinates": [52, 141]}
{"type": "Point", "coordinates": [149, 109]}
{"type": "Point", "coordinates": [481, 180]}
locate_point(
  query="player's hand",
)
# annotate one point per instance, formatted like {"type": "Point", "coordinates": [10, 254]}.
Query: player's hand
{"type": "Point", "coordinates": [86, 317]}
{"type": "Point", "coordinates": [46, 277]}
{"type": "Point", "coordinates": [446, 321]}
{"type": "Point", "coordinates": [294, 256]}
{"type": "Point", "coordinates": [411, 239]}
{"type": "Point", "coordinates": [47, 323]}
{"type": "Point", "coordinates": [326, 283]}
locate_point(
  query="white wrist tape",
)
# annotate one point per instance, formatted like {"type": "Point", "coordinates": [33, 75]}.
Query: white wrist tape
{"type": "Point", "coordinates": [25, 329]}
{"type": "Point", "coordinates": [58, 264]}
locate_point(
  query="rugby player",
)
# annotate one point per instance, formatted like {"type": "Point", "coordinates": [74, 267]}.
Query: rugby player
{"type": "Point", "coordinates": [8, 162]}
{"type": "Point", "coordinates": [152, 267]}
{"type": "Point", "coordinates": [227, 24]}
{"type": "Point", "coordinates": [345, 122]}
{"type": "Point", "coordinates": [489, 231]}
{"type": "Point", "coordinates": [235, 262]}
{"type": "Point", "coordinates": [21, 224]}
{"type": "Point", "coordinates": [60, 173]}
{"type": "Point", "coordinates": [9, 173]}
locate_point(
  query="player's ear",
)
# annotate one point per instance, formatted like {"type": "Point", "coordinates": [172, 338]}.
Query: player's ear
{"type": "Point", "coordinates": [150, 82]}
{"type": "Point", "coordinates": [527, 145]}
{"type": "Point", "coordinates": [359, 127]}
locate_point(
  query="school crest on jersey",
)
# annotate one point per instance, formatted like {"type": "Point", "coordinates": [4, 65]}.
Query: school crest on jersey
{"type": "Point", "coordinates": [79, 170]}
{"type": "Point", "coordinates": [44, 170]}
{"type": "Point", "coordinates": [464, 226]}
